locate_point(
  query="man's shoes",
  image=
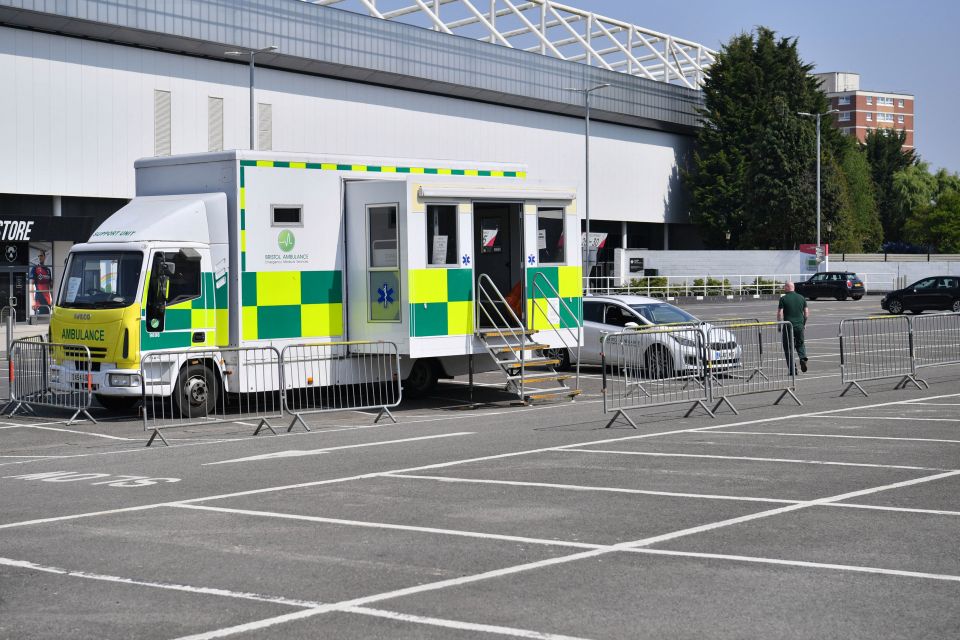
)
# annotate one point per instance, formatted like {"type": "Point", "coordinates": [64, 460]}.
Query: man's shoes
{"type": "Point", "coordinates": [803, 365]}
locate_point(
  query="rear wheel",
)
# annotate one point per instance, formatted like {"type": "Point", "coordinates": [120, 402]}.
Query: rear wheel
{"type": "Point", "coordinates": [563, 355]}
{"type": "Point", "coordinates": [956, 306]}
{"type": "Point", "coordinates": [196, 392]}
{"type": "Point", "coordinates": [658, 363]}
{"type": "Point", "coordinates": [856, 297]}
{"type": "Point", "coordinates": [842, 295]}
{"type": "Point", "coordinates": [422, 379]}
{"type": "Point", "coordinates": [895, 307]}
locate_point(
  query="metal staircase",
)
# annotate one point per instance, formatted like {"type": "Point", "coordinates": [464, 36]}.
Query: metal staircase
{"type": "Point", "coordinates": [528, 366]}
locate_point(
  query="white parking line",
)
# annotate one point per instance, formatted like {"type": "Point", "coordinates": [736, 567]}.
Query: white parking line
{"type": "Point", "coordinates": [898, 418]}
{"type": "Point", "coordinates": [753, 459]}
{"type": "Point", "coordinates": [826, 435]}
{"type": "Point", "coordinates": [83, 433]}
{"type": "Point", "coordinates": [577, 487]}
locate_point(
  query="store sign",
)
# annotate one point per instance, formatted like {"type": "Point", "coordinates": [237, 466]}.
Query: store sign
{"type": "Point", "coordinates": [15, 254]}
{"type": "Point", "coordinates": [16, 229]}
{"type": "Point", "coordinates": [636, 265]}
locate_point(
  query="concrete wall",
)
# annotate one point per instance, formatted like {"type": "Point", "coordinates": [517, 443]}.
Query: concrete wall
{"type": "Point", "coordinates": [79, 112]}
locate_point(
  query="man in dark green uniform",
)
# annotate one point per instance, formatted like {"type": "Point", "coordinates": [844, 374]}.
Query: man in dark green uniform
{"type": "Point", "coordinates": [793, 309]}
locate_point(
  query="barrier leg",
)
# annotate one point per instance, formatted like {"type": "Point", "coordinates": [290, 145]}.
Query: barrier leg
{"type": "Point", "coordinates": [85, 413]}
{"type": "Point", "coordinates": [621, 412]}
{"type": "Point", "coordinates": [297, 418]}
{"type": "Point", "coordinates": [854, 384]}
{"type": "Point", "coordinates": [699, 403]}
{"type": "Point", "coordinates": [263, 423]}
{"type": "Point", "coordinates": [725, 400]}
{"type": "Point", "coordinates": [384, 411]}
{"type": "Point", "coordinates": [789, 392]}
{"type": "Point", "coordinates": [909, 379]}
{"type": "Point", "coordinates": [156, 433]}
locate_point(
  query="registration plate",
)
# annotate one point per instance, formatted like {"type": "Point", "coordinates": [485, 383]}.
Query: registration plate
{"type": "Point", "coordinates": [79, 377]}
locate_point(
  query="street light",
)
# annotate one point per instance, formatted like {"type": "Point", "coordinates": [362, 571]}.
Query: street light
{"type": "Point", "coordinates": [252, 53]}
{"type": "Point", "coordinates": [818, 116]}
{"type": "Point", "coordinates": [586, 97]}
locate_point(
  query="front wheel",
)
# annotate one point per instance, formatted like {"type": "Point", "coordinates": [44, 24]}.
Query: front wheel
{"type": "Point", "coordinates": [895, 307]}
{"type": "Point", "coordinates": [196, 392]}
{"type": "Point", "coordinates": [658, 362]}
{"type": "Point", "coordinates": [956, 306]}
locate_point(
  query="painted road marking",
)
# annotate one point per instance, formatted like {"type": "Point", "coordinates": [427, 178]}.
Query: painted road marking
{"type": "Point", "coordinates": [826, 435]}
{"type": "Point", "coordinates": [296, 453]}
{"type": "Point", "coordinates": [79, 476]}
{"type": "Point", "coordinates": [898, 418]}
{"type": "Point", "coordinates": [82, 433]}
{"type": "Point", "coordinates": [754, 459]}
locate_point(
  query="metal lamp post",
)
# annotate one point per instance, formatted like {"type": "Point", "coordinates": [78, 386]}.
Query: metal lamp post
{"type": "Point", "coordinates": [586, 96]}
{"type": "Point", "coordinates": [818, 116]}
{"type": "Point", "coordinates": [252, 53]}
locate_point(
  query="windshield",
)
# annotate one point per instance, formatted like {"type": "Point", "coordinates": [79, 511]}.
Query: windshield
{"type": "Point", "coordinates": [662, 313]}
{"type": "Point", "coordinates": [101, 280]}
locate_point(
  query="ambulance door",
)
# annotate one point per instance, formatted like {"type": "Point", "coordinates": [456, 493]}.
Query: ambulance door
{"type": "Point", "coordinates": [498, 253]}
{"type": "Point", "coordinates": [376, 232]}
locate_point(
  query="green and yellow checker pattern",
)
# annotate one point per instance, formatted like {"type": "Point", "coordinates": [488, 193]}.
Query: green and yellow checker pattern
{"type": "Point", "coordinates": [441, 302]}
{"type": "Point", "coordinates": [292, 304]}
{"type": "Point", "coordinates": [207, 314]}
{"type": "Point", "coordinates": [568, 283]}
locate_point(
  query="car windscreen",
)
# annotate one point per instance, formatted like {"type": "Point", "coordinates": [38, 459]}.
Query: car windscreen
{"type": "Point", "coordinates": [101, 279]}
{"type": "Point", "coordinates": [662, 313]}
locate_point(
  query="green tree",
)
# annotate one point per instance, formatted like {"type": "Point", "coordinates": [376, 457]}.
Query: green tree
{"type": "Point", "coordinates": [858, 227]}
{"type": "Point", "coordinates": [886, 155]}
{"type": "Point", "coordinates": [937, 225]}
{"type": "Point", "coordinates": [753, 170]}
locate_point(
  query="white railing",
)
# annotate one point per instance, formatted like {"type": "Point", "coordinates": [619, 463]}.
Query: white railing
{"type": "Point", "coordinates": [719, 285]}
{"type": "Point", "coordinates": [552, 29]}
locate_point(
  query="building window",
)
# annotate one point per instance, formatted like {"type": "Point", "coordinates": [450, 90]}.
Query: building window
{"type": "Point", "coordinates": [885, 102]}
{"type": "Point", "coordinates": [265, 127]}
{"type": "Point", "coordinates": [550, 243]}
{"type": "Point", "coordinates": [900, 103]}
{"type": "Point", "coordinates": [161, 123]}
{"type": "Point", "coordinates": [869, 99]}
{"type": "Point", "coordinates": [900, 119]}
{"type": "Point", "coordinates": [845, 115]}
{"type": "Point", "coordinates": [286, 215]}
{"type": "Point", "coordinates": [442, 234]}
{"type": "Point", "coordinates": [843, 100]}
{"type": "Point", "coordinates": [848, 130]}
{"type": "Point", "coordinates": [214, 124]}
{"type": "Point", "coordinates": [869, 117]}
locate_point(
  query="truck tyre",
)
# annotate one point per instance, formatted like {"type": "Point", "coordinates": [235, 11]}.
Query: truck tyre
{"type": "Point", "coordinates": [117, 404]}
{"type": "Point", "coordinates": [196, 392]}
{"type": "Point", "coordinates": [422, 378]}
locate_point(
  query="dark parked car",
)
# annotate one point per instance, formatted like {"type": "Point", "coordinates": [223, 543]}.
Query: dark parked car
{"type": "Point", "coordinates": [832, 284]}
{"type": "Point", "coordinates": [933, 293]}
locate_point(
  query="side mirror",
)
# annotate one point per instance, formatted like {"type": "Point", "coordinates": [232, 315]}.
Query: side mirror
{"type": "Point", "coordinates": [168, 268]}
{"type": "Point", "coordinates": [631, 325]}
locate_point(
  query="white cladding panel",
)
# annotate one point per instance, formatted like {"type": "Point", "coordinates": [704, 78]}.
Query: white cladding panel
{"type": "Point", "coordinates": [78, 113]}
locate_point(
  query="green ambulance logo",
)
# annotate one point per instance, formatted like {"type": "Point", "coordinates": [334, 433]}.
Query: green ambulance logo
{"type": "Point", "coordinates": [286, 240]}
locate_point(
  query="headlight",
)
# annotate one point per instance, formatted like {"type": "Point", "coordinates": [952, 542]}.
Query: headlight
{"type": "Point", "coordinates": [686, 342]}
{"type": "Point", "coordinates": [124, 380]}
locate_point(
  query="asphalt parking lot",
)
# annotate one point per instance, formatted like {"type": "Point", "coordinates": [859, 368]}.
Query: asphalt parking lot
{"type": "Point", "coordinates": [835, 519]}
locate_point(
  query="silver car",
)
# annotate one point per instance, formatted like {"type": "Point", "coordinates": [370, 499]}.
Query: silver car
{"type": "Point", "coordinates": [663, 354]}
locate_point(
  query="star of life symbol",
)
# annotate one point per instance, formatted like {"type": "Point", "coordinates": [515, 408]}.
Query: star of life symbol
{"type": "Point", "coordinates": [385, 295]}
{"type": "Point", "coordinates": [466, 260]}
{"type": "Point", "coordinates": [532, 259]}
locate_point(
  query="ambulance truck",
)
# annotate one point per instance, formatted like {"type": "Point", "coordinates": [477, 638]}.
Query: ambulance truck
{"type": "Point", "coordinates": [240, 249]}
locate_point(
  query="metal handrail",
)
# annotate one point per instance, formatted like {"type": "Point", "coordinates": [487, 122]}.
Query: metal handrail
{"type": "Point", "coordinates": [578, 336]}
{"type": "Point", "coordinates": [481, 293]}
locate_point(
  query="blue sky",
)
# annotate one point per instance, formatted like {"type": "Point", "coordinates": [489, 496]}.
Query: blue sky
{"type": "Point", "coordinates": [894, 46]}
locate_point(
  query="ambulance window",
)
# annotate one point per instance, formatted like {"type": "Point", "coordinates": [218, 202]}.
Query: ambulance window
{"type": "Point", "coordinates": [286, 215]}
{"type": "Point", "coordinates": [442, 234]}
{"type": "Point", "coordinates": [383, 236]}
{"type": "Point", "coordinates": [550, 236]}
{"type": "Point", "coordinates": [185, 282]}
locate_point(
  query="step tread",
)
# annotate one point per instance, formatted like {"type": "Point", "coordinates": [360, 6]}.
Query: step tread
{"type": "Point", "coordinates": [549, 378]}
{"type": "Point", "coordinates": [499, 334]}
{"type": "Point", "coordinates": [547, 394]}
{"type": "Point", "coordinates": [507, 348]}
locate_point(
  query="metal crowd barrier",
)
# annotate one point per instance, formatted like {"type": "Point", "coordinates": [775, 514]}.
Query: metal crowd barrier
{"type": "Point", "coordinates": [335, 376]}
{"type": "Point", "coordinates": [50, 375]}
{"type": "Point", "coordinates": [748, 358]}
{"type": "Point", "coordinates": [192, 387]}
{"type": "Point", "coordinates": [876, 348]}
{"type": "Point", "coordinates": [936, 340]}
{"type": "Point", "coordinates": [654, 367]}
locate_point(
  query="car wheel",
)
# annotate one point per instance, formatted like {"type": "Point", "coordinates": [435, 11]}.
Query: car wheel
{"type": "Point", "coordinates": [422, 379]}
{"type": "Point", "coordinates": [842, 296]}
{"type": "Point", "coordinates": [856, 297]}
{"type": "Point", "coordinates": [811, 297]}
{"type": "Point", "coordinates": [956, 306]}
{"type": "Point", "coordinates": [658, 363]}
{"type": "Point", "coordinates": [895, 307]}
{"type": "Point", "coordinates": [117, 404]}
{"type": "Point", "coordinates": [916, 312]}
{"type": "Point", "coordinates": [563, 355]}
{"type": "Point", "coordinates": [195, 395]}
